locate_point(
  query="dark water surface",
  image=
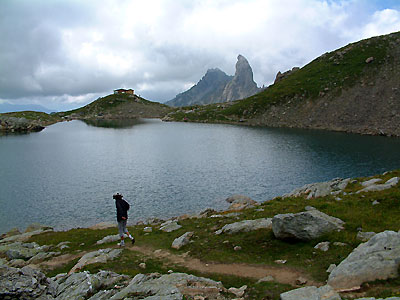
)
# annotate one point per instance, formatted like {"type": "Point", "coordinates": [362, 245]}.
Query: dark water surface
{"type": "Point", "coordinates": [65, 175]}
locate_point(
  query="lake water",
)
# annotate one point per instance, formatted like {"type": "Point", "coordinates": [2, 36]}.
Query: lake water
{"type": "Point", "coordinates": [65, 176]}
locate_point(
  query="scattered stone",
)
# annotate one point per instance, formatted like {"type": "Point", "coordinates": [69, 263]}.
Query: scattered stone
{"type": "Point", "coordinates": [246, 226]}
{"type": "Point", "coordinates": [109, 239]}
{"type": "Point", "coordinates": [238, 292]}
{"type": "Point", "coordinates": [148, 229]}
{"type": "Point", "coordinates": [301, 281]}
{"type": "Point", "coordinates": [377, 259]}
{"type": "Point", "coordinates": [237, 248]}
{"type": "Point", "coordinates": [305, 226]}
{"type": "Point", "coordinates": [63, 245]}
{"type": "Point", "coordinates": [41, 256]}
{"type": "Point", "coordinates": [311, 293]}
{"type": "Point", "coordinates": [281, 261]}
{"type": "Point", "coordinates": [330, 268]}
{"type": "Point", "coordinates": [376, 202]}
{"type": "Point", "coordinates": [380, 187]}
{"type": "Point", "coordinates": [239, 202]}
{"type": "Point", "coordinates": [181, 241]}
{"type": "Point", "coordinates": [20, 250]}
{"type": "Point", "coordinates": [170, 226]}
{"type": "Point", "coordinates": [365, 236]}
{"type": "Point", "coordinates": [307, 208]}
{"type": "Point", "coordinates": [268, 278]}
{"type": "Point", "coordinates": [142, 265]}
{"type": "Point", "coordinates": [369, 60]}
{"type": "Point", "coordinates": [99, 256]}
{"type": "Point", "coordinates": [370, 182]}
{"type": "Point", "coordinates": [323, 246]}
{"type": "Point", "coordinates": [17, 263]}
{"type": "Point", "coordinates": [319, 189]}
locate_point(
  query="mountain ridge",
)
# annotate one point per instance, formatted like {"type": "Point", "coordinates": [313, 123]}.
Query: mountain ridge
{"type": "Point", "coordinates": [216, 86]}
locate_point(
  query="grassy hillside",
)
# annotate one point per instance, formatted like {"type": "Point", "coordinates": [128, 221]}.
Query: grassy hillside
{"type": "Point", "coordinates": [344, 73]}
{"type": "Point", "coordinates": [119, 106]}
{"type": "Point", "coordinates": [40, 117]}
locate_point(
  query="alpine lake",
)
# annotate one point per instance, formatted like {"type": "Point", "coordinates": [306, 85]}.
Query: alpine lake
{"type": "Point", "coordinates": [65, 176]}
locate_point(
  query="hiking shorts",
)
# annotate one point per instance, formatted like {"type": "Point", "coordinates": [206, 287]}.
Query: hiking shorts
{"type": "Point", "coordinates": [122, 228]}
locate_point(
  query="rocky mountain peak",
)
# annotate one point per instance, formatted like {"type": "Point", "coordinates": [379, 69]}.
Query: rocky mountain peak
{"type": "Point", "coordinates": [242, 84]}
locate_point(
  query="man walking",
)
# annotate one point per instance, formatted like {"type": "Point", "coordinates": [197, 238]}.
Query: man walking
{"type": "Point", "coordinates": [122, 218]}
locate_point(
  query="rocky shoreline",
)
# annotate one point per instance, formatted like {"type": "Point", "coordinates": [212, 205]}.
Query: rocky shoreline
{"type": "Point", "coordinates": [376, 256]}
{"type": "Point", "coordinates": [19, 125]}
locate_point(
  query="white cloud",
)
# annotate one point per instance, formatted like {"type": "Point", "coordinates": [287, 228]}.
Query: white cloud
{"type": "Point", "coordinates": [72, 50]}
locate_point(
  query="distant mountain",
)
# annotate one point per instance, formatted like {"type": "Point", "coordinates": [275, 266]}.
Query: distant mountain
{"type": "Point", "coordinates": [8, 107]}
{"type": "Point", "coordinates": [353, 89]}
{"type": "Point", "coordinates": [216, 86]}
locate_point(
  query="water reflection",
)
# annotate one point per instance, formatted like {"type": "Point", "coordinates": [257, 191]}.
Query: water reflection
{"type": "Point", "coordinates": [114, 123]}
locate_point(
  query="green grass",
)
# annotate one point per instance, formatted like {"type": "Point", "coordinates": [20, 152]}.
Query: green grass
{"type": "Point", "coordinates": [34, 116]}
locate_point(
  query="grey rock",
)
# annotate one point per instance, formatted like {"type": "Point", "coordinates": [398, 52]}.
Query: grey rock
{"type": "Point", "coordinates": [379, 258]}
{"type": "Point", "coordinates": [148, 229]}
{"type": "Point", "coordinates": [238, 292]}
{"type": "Point", "coordinates": [109, 239]}
{"type": "Point", "coordinates": [181, 241]}
{"type": "Point", "coordinates": [323, 246]}
{"type": "Point", "coordinates": [380, 187]}
{"type": "Point", "coordinates": [320, 189]}
{"type": "Point", "coordinates": [390, 298]}
{"type": "Point", "coordinates": [82, 285]}
{"type": "Point", "coordinates": [24, 236]}
{"type": "Point", "coordinates": [370, 182]}
{"type": "Point", "coordinates": [20, 250]}
{"type": "Point", "coordinates": [99, 256]}
{"type": "Point", "coordinates": [365, 236]}
{"type": "Point", "coordinates": [170, 226]}
{"type": "Point", "coordinates": [12, 232]}
{"type": "Point", "coordinates": [268, 278]}
{"type": "Point", "coordinates": [63, 245]}
{"type": "Point", "coordinates": [305, 226]}
{"type": "Point", "coordinates": [25, 283]}
{"type": "Point", "coordinates": [170, 287]}
{"type": "Point", "coordinates": [311, 293]}
{"type": "Point", "coordinates": [242, 84]}
{"type": "Point", "coordinates": [240, 202]}
{"type": "Point", "coordinates": [246, 226]}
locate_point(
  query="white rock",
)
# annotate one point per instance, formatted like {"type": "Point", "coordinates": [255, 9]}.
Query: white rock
{"type": "Point", "coordinates": [238, 292]}
{"type": "Point", "coordinates": [323, 246]}
{"type": "Point", "coordinates": [370, 182]}
{"type": "Point", "coordinates": [377, 259]}
{"type": "Point", "coordinates": [170, 226]}
{"type": "Point", "coordinates": [181, 241]}
{"type": "Point", "coordinates": [365, 236]}
{"type": "Point", "coordinates": [330, 268]}
{"type": "Point", "coordinates": [148, 229]}
{"type": "Point", "coordinates": [109, 239]}
{"type": "Point", "coordinates": [268, 278]}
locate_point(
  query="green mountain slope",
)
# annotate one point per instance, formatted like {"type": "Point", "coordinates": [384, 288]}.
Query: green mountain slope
{"type": "Point", "coordinates": [354, 89]}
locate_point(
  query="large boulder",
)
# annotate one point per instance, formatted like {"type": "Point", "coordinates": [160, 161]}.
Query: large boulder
{"type": "Point", "coordinates": [25, 283]}
{"type": "Point", "coordinates": [246, 226]}
{"type": "Point", "coordinates": [170, 226]}
{"type": "Point", "coordinates": [239, 202]}
{"type": "Point", "coordinates": [109, 239]}
{"type": "Point", "coordinates": [304, 226]}
{"type": "Point", "coordinates": [311, 293]}
{"type": "Point", "coordinates": [379, 258]}
{"type": "Point", "coordinates": [20, 250]}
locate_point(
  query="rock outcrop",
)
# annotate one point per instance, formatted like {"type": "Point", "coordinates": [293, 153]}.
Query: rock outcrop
{"type": "Point", "coordinates": [320, 189]}
{"type": "Point", "coordinates": [239, 202]}
{"type": "Point", "coordinates": [374, 186]}
{"type": "Point", "coordinates": [304, 226]}
{"type": "Point", "coordinates": [379, 258]}
{"type": "Point", "coordinates": [217, 87]}
{"type": "Point", "coordinates": [242, 85]}
{"type": "Point", "coordinates": [14, 124]}
{"type": "Point", "coordinates": [99, 256]}
{"type": "Point", "coordinates": [311, 293]}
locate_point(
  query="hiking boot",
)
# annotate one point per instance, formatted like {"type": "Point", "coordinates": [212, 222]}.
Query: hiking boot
{"type": "Point", "coordinates": [133, 240]}
{"type": "Point", "coordinates": [121, 244]}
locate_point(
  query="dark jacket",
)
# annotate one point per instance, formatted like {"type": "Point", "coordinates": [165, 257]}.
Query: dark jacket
{"type": "Point", "coordinates": [122, 209]}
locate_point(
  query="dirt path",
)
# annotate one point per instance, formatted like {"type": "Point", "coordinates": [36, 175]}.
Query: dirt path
{"type": "Point", "coordinates": [281, 274]}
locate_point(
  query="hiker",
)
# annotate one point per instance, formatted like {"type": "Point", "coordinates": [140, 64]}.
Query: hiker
{"type": "Point", "coordinates": [122, 217]}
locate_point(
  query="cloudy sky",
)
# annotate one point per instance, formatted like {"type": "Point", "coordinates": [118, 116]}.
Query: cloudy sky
{"type": "Point", "coordinates": [64, 54]}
